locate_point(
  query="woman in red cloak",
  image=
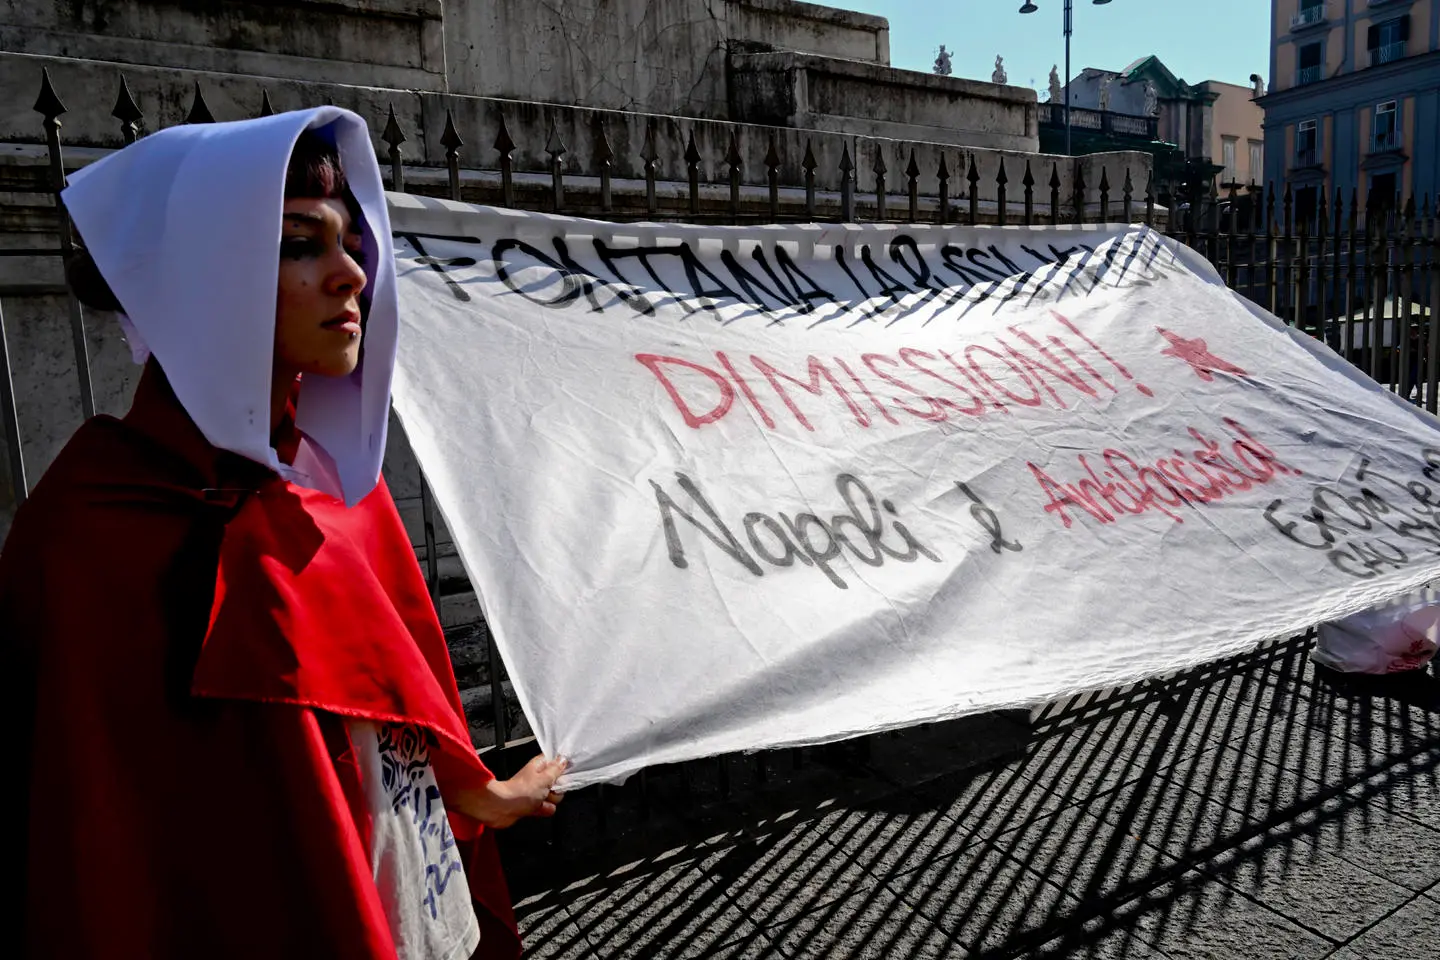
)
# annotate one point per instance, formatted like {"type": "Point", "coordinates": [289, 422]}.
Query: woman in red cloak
{"type": "Point", "coordinates": [239, 729]}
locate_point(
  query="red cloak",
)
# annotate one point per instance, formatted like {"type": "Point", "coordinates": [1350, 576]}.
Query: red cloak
{"type": "Point", "coordinates": [184, 634]}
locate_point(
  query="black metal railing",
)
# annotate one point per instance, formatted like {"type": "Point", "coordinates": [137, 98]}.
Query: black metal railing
{"type": "Point", "coordinates": [1387, 53]}
{"type": "Point", "coordinates": [1310, 15]}
{"type": "Point", "coordinates": [1122, 125]}
{"type": "Point", "coordinates": [1365, 282]}
{"type": "Point", "coordinates": [1384, 141]}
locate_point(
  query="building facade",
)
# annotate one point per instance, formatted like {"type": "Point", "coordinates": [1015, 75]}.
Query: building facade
{"type": "Point", "coordinates": [1354, 101]}
{"type": "Point", "coordinates": [1236, 132]}
{"type": "Point", "coordinates": [1200, 135]}
{"type": "Point", "coordinates": [1210, 120]}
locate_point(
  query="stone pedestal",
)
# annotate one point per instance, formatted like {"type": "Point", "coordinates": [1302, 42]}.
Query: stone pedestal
{"type": "Point", "coordinates": [844, 96]}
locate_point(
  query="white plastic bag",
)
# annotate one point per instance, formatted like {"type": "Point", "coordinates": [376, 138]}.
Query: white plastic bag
{"type": "Point", "coordinates": [1402, 635]}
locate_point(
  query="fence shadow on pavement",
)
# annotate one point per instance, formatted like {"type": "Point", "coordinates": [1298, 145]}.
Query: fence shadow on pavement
{"type": "Point", "coordinates": [1245, 789]}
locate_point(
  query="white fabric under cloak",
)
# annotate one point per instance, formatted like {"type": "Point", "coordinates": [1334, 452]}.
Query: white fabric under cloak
{"type": "Point", "coordinates": [184, 225]}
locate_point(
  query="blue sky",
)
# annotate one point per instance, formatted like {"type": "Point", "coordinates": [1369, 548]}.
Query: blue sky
{"type": "Point", "coordinates": [1229, 42]}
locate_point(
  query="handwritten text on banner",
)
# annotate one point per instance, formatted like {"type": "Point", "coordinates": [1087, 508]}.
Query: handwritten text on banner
{"type": "Point", "coordinates": [726, 488]}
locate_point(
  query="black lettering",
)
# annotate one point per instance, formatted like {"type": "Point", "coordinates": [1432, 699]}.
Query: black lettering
{"type": "Point", "coordinates": [889, 286]}
{"type": "Point", "coordinates": [789, 298]}
{"type": "Point", "coordinates": [1010, 265]}
{"type": "Point", "coordinates": [570, 288]}
{"type": "Point", "coordinates": [864, 294]}
{"type": "Point", "coordinates": [609, 255]}
{"type": "Point", "coordinates": [975, 256]}
{"type": "Point", "coordinates": [913, 548]}
{"type": "Point", "coordinates": [707, 295]}
{"type": "Point", "coordinates": [811, 291]}
{"type": "Point", "coordinates": [800, 526]}
{"type": "Point", "coordinates": [720, 535]}
{"type": "Point", "coordinates": [438, 264]}
{"type": "Point", "coordinates": [782, 540]}
{"type": "Point", "coordinates": [587, 281]}
{"type": "Point", "coordinates": [990, 521]}
{"type": "Point", "coordinates": [919, 270]}
{"type": "Point", "coordinates": [755, 291]}
{"type": "Point", "coordinates": [954, 258]}
{"type": "Point", "coordinates": [772, 526]}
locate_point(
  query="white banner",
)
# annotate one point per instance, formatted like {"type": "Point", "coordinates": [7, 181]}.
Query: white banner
{"type": "Point", "coordinates": [725, 488]}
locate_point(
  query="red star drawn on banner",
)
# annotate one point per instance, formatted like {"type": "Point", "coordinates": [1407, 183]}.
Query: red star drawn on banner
{"type": "Point", "coordinates": [1198, 355]}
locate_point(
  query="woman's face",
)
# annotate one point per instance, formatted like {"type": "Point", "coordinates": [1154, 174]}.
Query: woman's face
{"type": "Point", "coordinates": [317, 314]}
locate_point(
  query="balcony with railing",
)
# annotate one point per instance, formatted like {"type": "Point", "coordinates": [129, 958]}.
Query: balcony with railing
{"type": "Point", "coordinates": [1312, 16]}
{"type": "Point", "coordinates": [1306, 75]}
{"type": "Point", "coordinates": [1387, 53]}
{"type": "Point", "coordinates": [1307, 157]}
{"type": "Point", "coordinates": [1121, 125]}
{"type": "Point", "coordinates": [1384, 141]}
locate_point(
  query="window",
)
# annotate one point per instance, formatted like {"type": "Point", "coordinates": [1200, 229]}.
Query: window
{"type": "Point", "coordinates": [1311, 13]}
{"type": "Point", "coordinates": [1387, 40]}
{"type": "Point", "coordinates": [1310, 63]}
{"type": "Point", "coordinates": [1383, 187]}
{"type": "Point", "coordinates": [1257, 162]}
{"type": "Point", "coordinates": [1384, 130]}
{"type": "Point", "coordinates": [1227, 158]}
{"type": "Point", "coordinates": [1307, 144]}
{"type": "Point", "coordinates": [1307, 206]}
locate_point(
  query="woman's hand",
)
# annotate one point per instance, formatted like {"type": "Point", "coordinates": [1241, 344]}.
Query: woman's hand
{"type": "Point", "coordinates": [530, 793]}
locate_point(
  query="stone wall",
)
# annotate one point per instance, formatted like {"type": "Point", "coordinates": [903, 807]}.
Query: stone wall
{"type": "Point", "coordinates": [392, 43]}
{"type": "Point", "coordinates": [829, 68]}
{"type": "Point", "coordinates": [820, 93]}
{"type": "Point", "coordinates": [1126, 97]}
{"type": "Point", "coordinates": [88, 89]}
{"type": "Point", "coordinates": [777, 62]}
{"type": "Point", "coordinates": [660, 56]}
{"type": "Point", "coordinates": [47, 391]}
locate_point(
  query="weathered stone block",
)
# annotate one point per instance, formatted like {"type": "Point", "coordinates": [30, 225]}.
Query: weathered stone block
{"type": "Point", "coordinates": [821, 93]}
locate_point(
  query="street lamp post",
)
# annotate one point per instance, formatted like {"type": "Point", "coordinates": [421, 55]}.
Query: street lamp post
{"type": "Point", "coordinates": [1030, 7]}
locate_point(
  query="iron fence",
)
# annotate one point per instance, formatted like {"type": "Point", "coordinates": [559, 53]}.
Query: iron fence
{"type": "Point", "coordinates": [1365, 280]}
{"type": "Point", "coordinates": [1145, 129]}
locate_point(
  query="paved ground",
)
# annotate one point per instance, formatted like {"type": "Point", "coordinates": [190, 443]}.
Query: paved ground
{"type": "Point", "coordinates": [1249, 809]}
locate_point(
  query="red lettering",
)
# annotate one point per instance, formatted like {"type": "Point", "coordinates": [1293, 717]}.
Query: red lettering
{"type": "Point", "coordinates": [998, 373]}
{"type": "Point", "coordinates": [860, 384]}
{"type": "Point", "coordinates": [974, 383]}
{"type": "Point", "coordinates": [1034, 400]}
{"type": "Point", "coordinates": [1100, 350]}
{"type": "Point", "coordinates": [1144, 484]}
{"type": "Point", "coordinates": [1109, 491]}
{"type": "Point", "coordinates": [936, 413]}
{"type": "Point", "coordinates": [693, 420]}
{"type": "Point", "coordinates": [1267, 460]}
{"type": "Point", "coordinates": [1174, 471]}
{"type": "Point", "coordinates": [745, 389]}
{"type": "Point", "coordinates": [1062, 495]}
{"type": "Point", "coordinates": [1049, 364]}
{"type": "Point", "coordinates": [1083, 365]}
{"type": "Point", "coordinates": [908, 354]}
{"type": "Point", "coordinates": [1168, 482]}
{"type": "Point", "coordinates": [818, 372]}
{"type": "Point", "coordinates": [1210, 455]}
